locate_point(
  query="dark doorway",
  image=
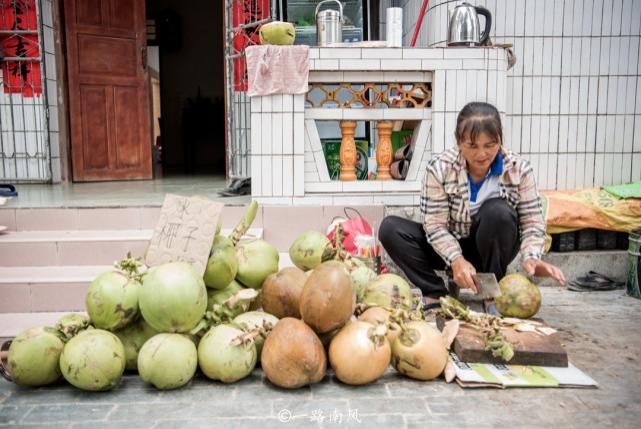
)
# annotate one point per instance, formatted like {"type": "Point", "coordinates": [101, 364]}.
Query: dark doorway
{"type": "Point", "coordinates": [186, 60]}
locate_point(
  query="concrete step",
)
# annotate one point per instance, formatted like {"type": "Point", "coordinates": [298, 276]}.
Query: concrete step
{"type": "Point", "coordinates": [42, 289]}
{"type": "Point", "coordinates": [55, 288]}
{"type": "Point", "coordinates": [13, 323]}
{"type": "Point", "coordinates": [88, 247]}
{"type": "Point", "coordinates": [282, 224]}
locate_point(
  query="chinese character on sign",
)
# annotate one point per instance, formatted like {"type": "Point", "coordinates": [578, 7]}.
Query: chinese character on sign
{"type": "Point", "coordinates": [19, 39]}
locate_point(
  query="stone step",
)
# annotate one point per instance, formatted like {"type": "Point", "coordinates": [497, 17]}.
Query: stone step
{"type": "Point", "coordinates": [42, 289]}
{"type": "Point", "coordinates": [13, 323]}
{"type": "Point", "coordinates": [88, 247]}
{"type": "Point", "coordinates": [55, 288]}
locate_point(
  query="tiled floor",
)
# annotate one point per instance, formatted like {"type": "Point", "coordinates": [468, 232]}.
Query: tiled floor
{"type": "Point", "coordinates": [120, 194]}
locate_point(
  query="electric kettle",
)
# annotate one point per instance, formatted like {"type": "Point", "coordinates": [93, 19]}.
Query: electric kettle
{"type": "Point", "coordinates": [464, 28]}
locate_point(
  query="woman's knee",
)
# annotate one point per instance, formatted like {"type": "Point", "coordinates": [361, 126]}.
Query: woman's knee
{"type": "Point", "coordinates": [498, 211]}
{"type": "Point", "coordinates": [388, 231]}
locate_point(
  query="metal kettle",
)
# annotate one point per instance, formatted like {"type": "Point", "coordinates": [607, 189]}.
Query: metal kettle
{"type": "Point", "coordinates": [464, 28]}
{"type": "Point", "coordinates": [329, 24]}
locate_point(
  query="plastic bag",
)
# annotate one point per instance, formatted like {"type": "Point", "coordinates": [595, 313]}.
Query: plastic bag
{"type": "Point", "coordinates": [353, 226]}
{"type": "Point", "coordinates": [589, 208]}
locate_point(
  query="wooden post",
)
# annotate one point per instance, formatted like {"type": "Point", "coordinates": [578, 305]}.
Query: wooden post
{"type": "Point", "coordinates": [348, 151]}
{"type": "Point", "coordinates": [384, 150]}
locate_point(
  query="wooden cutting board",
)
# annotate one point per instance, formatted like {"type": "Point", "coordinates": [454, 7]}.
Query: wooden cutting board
{"type": "Point", "coordinates": [530, 348]}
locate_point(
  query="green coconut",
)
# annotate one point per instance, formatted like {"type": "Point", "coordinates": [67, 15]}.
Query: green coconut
{"type": "Point", "coordinates": [254, 320]}
{"type": "Point", "coordinates": [168, 361]}
{"type": "Point", "coordinates": [34, 356]}
{"type": "Point", "coordinates": [215, 296]}
{"type": "Point", "coordinates": [93, 360]}
{"type": "Point", "coordinates": [388, 291]}
{"type": "Point", "coordinates": [306, 251]}
{"type": "Point", "coordinates": [133, 336]}
{"type": "Point", "coordinates": [69, 325]}
{"type": "Point", "coordinates": [112, 300]}
{"type": "Point", "coordinates": [222, 357]}
{"type": "Point", "coordinates": [257, 259]}
{"type": "Point", "coordinates": [277, 33]}
{"type": "Point", "coordinates": [173, 297]}
{"type": "Point", "coordinates": [361, 276]}
{"type": "Point", "coordinates": [519, 297]}
{"type": "Point", "coordinates": [222, 265]}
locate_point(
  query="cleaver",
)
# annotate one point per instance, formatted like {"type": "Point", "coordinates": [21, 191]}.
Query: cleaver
{"type": "Point", "coordinates": [488, 288]}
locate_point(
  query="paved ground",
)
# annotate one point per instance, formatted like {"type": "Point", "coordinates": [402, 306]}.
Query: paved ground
{"type": "Point", "coordinates": [600, 331]}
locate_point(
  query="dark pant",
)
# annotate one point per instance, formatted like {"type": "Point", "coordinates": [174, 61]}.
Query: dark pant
{"type": "Point", "coordinates": [493, 243]}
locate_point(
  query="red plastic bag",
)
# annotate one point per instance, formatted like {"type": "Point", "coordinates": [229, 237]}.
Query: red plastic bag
{"type": "Point", "coordinates": [353, 226]}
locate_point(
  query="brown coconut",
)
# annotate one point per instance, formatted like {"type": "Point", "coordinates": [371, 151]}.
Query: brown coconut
{"type": "Point", "coordinates": [292, 355]}
{"type": "Point", "coordinates": [282, 291]}
{"type": "Point", "coordinates": [328, 298]}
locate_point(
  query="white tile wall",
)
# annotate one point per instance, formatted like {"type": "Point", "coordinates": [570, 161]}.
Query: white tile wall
{"type": "Point", "coordinates": [576, 86]}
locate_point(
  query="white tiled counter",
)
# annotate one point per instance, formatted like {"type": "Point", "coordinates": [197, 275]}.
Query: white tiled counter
{"type": "Point", "coordinates": [287, 162]}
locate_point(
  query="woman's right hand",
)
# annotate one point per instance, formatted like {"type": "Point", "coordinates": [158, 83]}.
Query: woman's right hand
{"type": "Point", "coordinates": [464, 273]}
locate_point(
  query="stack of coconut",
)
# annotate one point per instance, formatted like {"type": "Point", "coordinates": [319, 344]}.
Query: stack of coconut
{"type": "Point", "coordinates": [166, 321]}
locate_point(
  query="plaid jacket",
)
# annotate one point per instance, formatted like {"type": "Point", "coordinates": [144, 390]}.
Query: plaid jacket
{"type": "Point", "coordinates": [445, 203]}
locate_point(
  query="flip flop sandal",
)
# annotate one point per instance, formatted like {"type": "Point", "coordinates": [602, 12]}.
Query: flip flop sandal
{"type": "Point", "coordinates": [594, 282]}
{"type": "Point", "coordinates": [237, 188]}
{"type": "Point", "coordinates": [7, 190]}
{"type": "Point", "coordinates": [404, 152]}
{"type": "Point", "coordinates": [398, 169]}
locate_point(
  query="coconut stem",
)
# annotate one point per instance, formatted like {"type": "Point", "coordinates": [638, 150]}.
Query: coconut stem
{"type": "Point", "coordinates": [131, 266]}
{"type": "Point", "coordinates": [378, 334]}
{"type": "Point", "coordinates": [225, 312]}
{"type": "Point", "coordinates": [487, 324]}
{"type": "Point", "coordinates": [70, 325]}
{"type": "Point", "coordinates": [248, 337]}
{"type": "Point", "coordinates": [244, 224]}
{"type": "Point", "coordinates": [336, 251]}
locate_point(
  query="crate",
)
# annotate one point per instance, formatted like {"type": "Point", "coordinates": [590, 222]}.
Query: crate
{"type": "Point", "coordinates": [586, 239]}
{"type": "Point", "coordinates": [564, 242]}
{"type": "Point", "coordinates": [606, 240]}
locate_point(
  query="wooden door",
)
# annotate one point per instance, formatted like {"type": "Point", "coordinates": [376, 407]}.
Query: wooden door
{"type": "Point", "coordinates": [108, 89]}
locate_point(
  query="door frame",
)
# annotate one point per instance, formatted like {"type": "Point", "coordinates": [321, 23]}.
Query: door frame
{"type": "Point", "coordinates": [62, 82]}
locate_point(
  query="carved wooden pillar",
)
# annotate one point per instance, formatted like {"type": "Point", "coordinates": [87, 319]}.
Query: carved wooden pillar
{"type": "Point", "coordinates": [348, 151]}
{"type": "Point", "coordinates": [384, 150]}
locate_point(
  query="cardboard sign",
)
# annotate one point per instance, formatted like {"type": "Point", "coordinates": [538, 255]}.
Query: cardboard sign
{"type": "Point", "coordinates": [184, 232]}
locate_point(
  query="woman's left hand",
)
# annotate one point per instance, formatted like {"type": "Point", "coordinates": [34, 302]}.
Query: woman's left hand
{"type": "Point", "coordinates": [536, 267]}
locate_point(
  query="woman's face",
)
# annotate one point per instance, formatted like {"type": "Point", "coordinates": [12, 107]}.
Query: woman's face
{"type": "Point", "coordinates": [481, 153]}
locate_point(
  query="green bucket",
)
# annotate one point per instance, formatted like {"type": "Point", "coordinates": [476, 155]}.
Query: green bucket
{"type": "Point", "coordinates": [634, 264]}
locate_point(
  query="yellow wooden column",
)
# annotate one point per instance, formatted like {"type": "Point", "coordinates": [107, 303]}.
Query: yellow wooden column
{"type": "Point", "coordinates": [348, 151]}
{"type": "Point", "coordinates": [384, 150]}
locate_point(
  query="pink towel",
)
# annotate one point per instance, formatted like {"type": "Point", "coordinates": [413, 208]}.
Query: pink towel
{"type": "Point", "coordinates": [275, 69]}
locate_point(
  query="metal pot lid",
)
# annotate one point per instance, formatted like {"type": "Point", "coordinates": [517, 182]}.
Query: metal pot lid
{"type": "Point", "coordinates": [329, 14]}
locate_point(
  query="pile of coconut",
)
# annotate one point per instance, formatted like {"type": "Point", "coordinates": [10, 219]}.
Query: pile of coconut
{"type": "Point", "coordinates": [166, 322]}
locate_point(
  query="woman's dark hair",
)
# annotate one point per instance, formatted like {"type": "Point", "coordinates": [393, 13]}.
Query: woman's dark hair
{"type": "Point", "coordinates": [476, 118]}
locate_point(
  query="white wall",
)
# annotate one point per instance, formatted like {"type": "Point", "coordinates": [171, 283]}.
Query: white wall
{"type": "Point", "coordinates": [574, 95]}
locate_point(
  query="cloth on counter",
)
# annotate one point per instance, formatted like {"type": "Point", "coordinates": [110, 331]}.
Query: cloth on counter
{"type": "Point", "coordinates": [275, 69]}
{"type": "Point", "coordinates": [626, 190]}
